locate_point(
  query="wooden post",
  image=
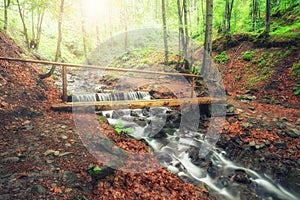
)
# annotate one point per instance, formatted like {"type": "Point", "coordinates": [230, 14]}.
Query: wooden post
{"type": "Point", "coordinates": [193, 87]}
{"type": "Point", "coordinates": [64, 84]}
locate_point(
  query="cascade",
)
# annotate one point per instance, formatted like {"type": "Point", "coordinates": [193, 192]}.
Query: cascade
{"type": "Point", "coordinates": [224, 177]}
{"type": "Point", "coordinates": [116, 96]}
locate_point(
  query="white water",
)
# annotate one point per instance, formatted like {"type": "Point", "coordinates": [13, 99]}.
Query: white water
{"type": "Point", "coordinates": [111, 96]}
{"type": "Point", "coordinates": [181, 164]}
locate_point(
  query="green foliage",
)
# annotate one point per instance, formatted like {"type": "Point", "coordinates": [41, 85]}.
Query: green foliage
{"type": "Point", "coordinates": [120, 128]}
{"type": "Point", "coordinates": [248, 55]}
{"type": "Point", "coordinates": [221, 58]}
{"type": "Point", "coordinates": [296, 69]}
{"type": "Point", "coordinates": [94, 171]}
{"type": "Point", "coordinates": [297, 89]}
{"type": "Point", "coordinates": [102, 119]}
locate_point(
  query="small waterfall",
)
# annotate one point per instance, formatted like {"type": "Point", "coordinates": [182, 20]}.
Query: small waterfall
{"type": "Point", "coordinates": [176, 151]}
{"type": "Point", "coordinates": [111, 96]}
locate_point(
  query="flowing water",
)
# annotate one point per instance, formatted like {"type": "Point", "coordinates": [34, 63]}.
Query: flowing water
{"type": "Point", "coordinates": [179, 151]}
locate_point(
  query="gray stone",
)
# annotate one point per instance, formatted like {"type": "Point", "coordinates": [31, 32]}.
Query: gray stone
{"type": "Point", "coordinates": [294, 133]}
{"type": "Point", "coordinates": [252, 144]}
{"type": "Point", "coordinates": [69, 177]}
{"type": "Point", "coordinates": [280, 145]}
{"type": "Point", "coordinates": [39, 189]}
{"type": "Point", "coordinates": [64, 137]}
{"type": "Point", "coordinates": [11, 159]}
{"type": "Point", "coordinates": [260, 146]}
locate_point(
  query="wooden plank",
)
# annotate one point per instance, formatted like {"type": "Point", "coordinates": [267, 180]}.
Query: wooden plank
{"type": "Point", "coordinates": [97, 67]}
{"type": "Point", "coordinates": [132, 104]}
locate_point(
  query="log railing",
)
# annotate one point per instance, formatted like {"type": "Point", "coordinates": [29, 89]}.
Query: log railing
{"type": "Point", "coordinates": [64, 74]}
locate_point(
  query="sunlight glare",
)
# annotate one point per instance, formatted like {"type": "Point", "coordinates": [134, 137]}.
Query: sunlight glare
{"type": "Point", "coordinates": [94, 10]}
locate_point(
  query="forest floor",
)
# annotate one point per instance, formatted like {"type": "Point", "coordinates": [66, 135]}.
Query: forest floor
{"type": "Point", "coordinates": [42, 156]}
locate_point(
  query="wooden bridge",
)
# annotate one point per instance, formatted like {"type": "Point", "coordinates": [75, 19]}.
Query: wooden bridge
{"type": "Point", "coordinates": [108, 105]}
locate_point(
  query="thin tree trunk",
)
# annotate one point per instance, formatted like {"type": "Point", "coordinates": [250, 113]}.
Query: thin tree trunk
{"type": "Point", "coordinates": [254, 14]}
{"type": "Point", "coordinates": [225, 18]}
{"type": "Point", "coordinates": [206, 64]}
{"type": "Point", "coordinates": [268, 9]}
{"type": "Point", "coordinates": [24, 25]}
{"type": "Point", "coordinates": [84, 35]}
{"type": "Point", "coordinates": [6, 5]}
{"type": "Point", "coordinates": [186, 42]}
{"type": "Point", "coordinates": [165, 31]}
{"type": "Point", "coordinates": [59, 39]}
{"type": "Point", "coordinates": [181, 32]}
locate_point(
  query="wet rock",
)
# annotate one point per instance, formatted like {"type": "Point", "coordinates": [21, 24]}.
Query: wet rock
{"type": "Point", "coordinates": [241, 176]}
{"type": "Point", "coordinates": [280, 145]}
{"type": "Point", "coordinates": [294, 133]}
{"type": "Point", "coordinates": [11, 159]}
{"type": "Point", "coordinates": [134, 113]}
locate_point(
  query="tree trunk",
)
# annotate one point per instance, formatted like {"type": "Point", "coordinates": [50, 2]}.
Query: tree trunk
{"type": "Point", "coordinates": [206, 64]}
{"type": "Point", "coordinates": [180, 28]}
{"type": "Point", "coordinates": [186, 34]}
{"type": "Point", "coordinates": [224, 31]}
{"type": "Point", "coordinates": [230, 7]}
{"type": "Point", "coordinates": [163, 6]}
{"type": "Point", "coordinates": [254, 14]}
{"type": "Point", "coordinates": [268, 10]}
{"type": "Point", "coordinates": [59, 39]}
{"type": "Point", "coordinates": [84, 34]}
{"type": "Point", "coordinates": [6, 5]}
{"type": "Point", "coordinates": [21, 12]}
{"type": "Point", "coordinates": [227, 16]}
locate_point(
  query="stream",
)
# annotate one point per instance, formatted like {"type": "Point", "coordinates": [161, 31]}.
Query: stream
{"type": "Point", "coordinates": [178, 149]}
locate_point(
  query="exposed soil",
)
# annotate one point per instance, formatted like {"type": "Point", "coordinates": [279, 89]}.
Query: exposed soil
{"type": "Point", "coordinates": [42, 156]}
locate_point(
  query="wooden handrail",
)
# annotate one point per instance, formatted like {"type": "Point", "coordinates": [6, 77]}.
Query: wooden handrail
{"type": "Point", "coordinates": [97, 67]}
{"type": "Point", "coordinates": [64, 65]}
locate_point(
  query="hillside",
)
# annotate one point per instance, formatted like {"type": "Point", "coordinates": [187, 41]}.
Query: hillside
{"type": "Point", "coordinates": [42, 156]}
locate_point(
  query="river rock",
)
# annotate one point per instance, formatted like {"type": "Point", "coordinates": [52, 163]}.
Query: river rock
{"type": "Point", "coordinates": [280, 145]}
{"type": "Point", "coordinates": [241, 176]}
{"type": "Point", "coordinates": [294, 133]}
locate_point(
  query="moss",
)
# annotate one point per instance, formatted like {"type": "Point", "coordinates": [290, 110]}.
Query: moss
{"type": "Point", "coordinates": [296, 69]}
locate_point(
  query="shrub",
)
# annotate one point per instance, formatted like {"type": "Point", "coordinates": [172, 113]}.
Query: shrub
{"type": "Point", "coordinates": [296, 69]}
{"type": "Point", "coordinates": [248, 55]}
{"type": "Point", "coordinates": [221, 58]}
